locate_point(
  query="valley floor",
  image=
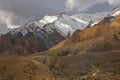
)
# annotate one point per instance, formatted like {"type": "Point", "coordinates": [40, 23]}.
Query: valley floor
{"type": "Point", "coordinates": [86, 66]}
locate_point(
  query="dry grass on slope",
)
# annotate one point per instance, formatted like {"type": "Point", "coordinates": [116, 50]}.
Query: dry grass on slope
{"type": "Point", "coordinates": [88, 66]}
{"type": "Point", "coordinates": [22, 68]}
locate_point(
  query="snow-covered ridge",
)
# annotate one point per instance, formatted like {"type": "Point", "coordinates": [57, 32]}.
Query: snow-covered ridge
{"type": "Point", "coordinates": [116, 13]}
{"type": "Point", "coordinates": [48, 19]}
{"type": "Point", "coordinates": [63, 24]}
{"type": "Point", "coordinates": [90, 18]}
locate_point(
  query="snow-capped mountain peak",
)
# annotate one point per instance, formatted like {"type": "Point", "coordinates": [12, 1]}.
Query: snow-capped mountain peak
{"type": "Point", "coordinates": [48, 19]}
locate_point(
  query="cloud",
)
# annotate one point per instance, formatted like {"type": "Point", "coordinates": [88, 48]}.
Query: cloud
{"type": "Point", "coordinates": [16, 12]}
{"type": "Point", "coordinates": [114, 2]}
{"type": "Point", "coordinates": [70, 4]}
{"type": "Point", "coordinates": [81, 4]}
{"type": "Point", "coordinates": [10, 18]}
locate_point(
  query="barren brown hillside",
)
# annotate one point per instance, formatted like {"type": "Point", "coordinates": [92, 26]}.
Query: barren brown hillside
{"type": "Point", "coordinates": [87, 66]}
{"type": "Point", "coordinates": [22, 68]}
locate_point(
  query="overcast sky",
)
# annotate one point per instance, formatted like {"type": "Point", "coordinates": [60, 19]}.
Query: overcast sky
{"type": "Point", "coordinates": [16, 12]}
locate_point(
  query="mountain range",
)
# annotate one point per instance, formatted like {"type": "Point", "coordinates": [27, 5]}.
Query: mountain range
{"type": "Point", "coordinates": [85, 46]}
{"type": "Point", "coordinates": [43, 34]}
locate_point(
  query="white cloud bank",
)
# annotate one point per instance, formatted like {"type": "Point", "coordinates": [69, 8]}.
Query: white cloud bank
{"type": "Point", "coordinates": [82, 4]}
